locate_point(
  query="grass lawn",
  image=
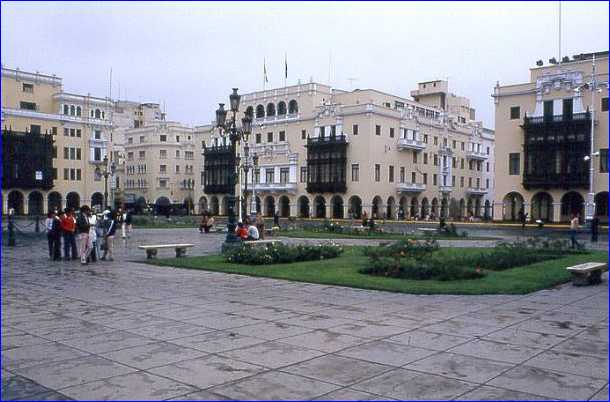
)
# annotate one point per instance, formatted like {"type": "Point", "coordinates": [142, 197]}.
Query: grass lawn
{"type": "Point", "coordinates": [310, 234]}
{"type": "Point", "coordinates": [343, 271]}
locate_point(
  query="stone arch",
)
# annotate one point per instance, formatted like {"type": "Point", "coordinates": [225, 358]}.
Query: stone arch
{"type": "Point", "coordinates": [281, 108]}
{"type": "Point", "coordinates": [269, 205]}
{"type": "Point", "coordinates": [141, 205]}
{"type": "Point", "coordinates": [414, 207]}
{"type": "Point", "coordinates": [425, 208]}
{"type": "Point", "coordinates": [270, 109]}
{"type": "Point", "coordinates": [320, 207]}
{"type": "Point", "coordinates": [542, 207]}
{"type": "Point", "coordinates": [225, 206]}
{"type": "Point", "coordinates": [203, 204]}
{"type": "Point", "coordinates": [258, 204]}
{"type": "Point", "coordinates": [444, 208]}
{"type": "Point", "coordinates": [488, 210]}
{"type": "Point", "coordinates": [293, 107]}
{"type": "Point", "coordinates": [337, 206]}
{"type": "Point", "coordinates": [284, 202]}
{"type": "Point", "coordinates": [376, 207]}
{"type": "Point", "coordinates": [163, 206]}
{"type": "Point", "coordinates": [35, 203]}
{"type": "Point", "coordinates": [462, 207]}
{"type": "Point", "coordinates": [54, 201]}
{"type": "Point", "coordinates": [477, 206]}
{"type": "Point", "coordinates": [303, 205]}
{"type": "Point", "coordinates": [260, 111]}
{"type": "Point", "coordinates": [390, 212]}
{"type": "Point", "coordinates": [97, 200]}
{"type": "Point", "coordinates": [470, 207]}
{"type": "Point", "coordinates": [15, 201]}
{"type": "Point", "coordinates": [403, 204]}
{"type": "Point", "coordinates": [572, 203]}
{"type": "Point", "coordinates": [214, 205]}
{"type": "Point", "coordinates": [511, 205]}
{"type": "Point", "coordinates": [73, 200]}
{"type": "Point", "coordinates": [601, 206]}
{"type": "Point", "coordinates": [355, 207]}
{"type": "Point", "coordinates": [434, 208]}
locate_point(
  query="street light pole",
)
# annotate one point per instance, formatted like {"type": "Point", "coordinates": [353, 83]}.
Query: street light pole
{"type": "Point", "coordinates": [590, 208]}
{"type": "Point", "coordinates": [108, 172]}
{"type": "Point", "coordinates": [253, 208]}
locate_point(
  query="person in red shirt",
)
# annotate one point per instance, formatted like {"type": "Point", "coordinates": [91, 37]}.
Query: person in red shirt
{"type": "Point", "coordinates": [242, 231]}
{"type": "Point", "coordinates": [68, 228]}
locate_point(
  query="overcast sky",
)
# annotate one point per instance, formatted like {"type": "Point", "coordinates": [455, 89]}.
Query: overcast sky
{"type": "Point", "coordinates": [189, 55]}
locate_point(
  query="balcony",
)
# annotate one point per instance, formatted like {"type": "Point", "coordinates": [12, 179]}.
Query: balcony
{"type": "Point", "coordinates": [274, 187]}
{"type": "Point", "coordinates": [476, 191]}
{"type": "Point", "coordinates": [405, 143]}
{"type": "Point", "coordinates": [326, 164]}
{"type": "Point", "coordinates": [410, 187]}
{"type": "Point", "coordinates": [445, 189]}
{"type": "Point", "coordinates": [561, 118]}
{"type": "Point", "coordinates": [479, 156]}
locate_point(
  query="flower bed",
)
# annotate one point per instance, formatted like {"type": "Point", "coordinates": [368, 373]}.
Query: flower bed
{"type": "Point", "coordinates": [278, 253]}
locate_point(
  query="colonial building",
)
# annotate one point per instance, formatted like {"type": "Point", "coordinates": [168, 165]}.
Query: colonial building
{"type": "Point", "coordinates": [325, 152]}
{"type": "Point", "coordinates": [545, 148]}
{"type": "Point", "coordinates": [54, 141]}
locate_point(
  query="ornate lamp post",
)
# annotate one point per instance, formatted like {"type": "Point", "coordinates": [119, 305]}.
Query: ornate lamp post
{"type": "Point", "coordinates": [228, 129]}
{"type": "Point", "coordinates": [253, 208]}
{"type": "Point", "coordinates": [108, 172]}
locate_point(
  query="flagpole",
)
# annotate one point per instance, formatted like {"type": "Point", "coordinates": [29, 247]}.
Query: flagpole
{"type": "Point", "coordinates": [285, 68]}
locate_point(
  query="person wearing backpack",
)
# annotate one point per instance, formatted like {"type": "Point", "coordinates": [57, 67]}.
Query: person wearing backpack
{"type": "Point", "coordinates": [111, 227]}
{"type": "Point", "coordinates": [82, 228]}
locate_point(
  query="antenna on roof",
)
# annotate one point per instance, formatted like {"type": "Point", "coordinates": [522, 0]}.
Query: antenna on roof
{"type": "Point", "coordinates": [351, 82]}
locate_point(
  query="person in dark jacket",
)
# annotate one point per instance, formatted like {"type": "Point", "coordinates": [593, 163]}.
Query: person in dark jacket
{"type": "Point", "coordinates": [55, 233]}
{"type": "Point", "coordinates": [594, 228]}
{"type": "Point", "coordinates": [82, 228]}
{"type": "Point", "coordinates": [111, 222]}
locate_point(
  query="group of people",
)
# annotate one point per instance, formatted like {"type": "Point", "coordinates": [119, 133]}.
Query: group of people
{"type": "Point", "coordinates": [94, 232]}
{"type": "Point", "coordinates": [252, 228]}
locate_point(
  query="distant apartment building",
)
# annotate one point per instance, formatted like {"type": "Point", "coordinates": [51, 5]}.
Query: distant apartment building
{"type": "Point", "coordinates": [53, 141]}
{"type": "Point", "coordinates": [324, 152]}
{"type": "Point", "coordinates": [543, 141]}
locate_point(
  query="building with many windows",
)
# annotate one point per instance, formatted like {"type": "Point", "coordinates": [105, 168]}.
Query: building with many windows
{"type": "Point", "coordinates": [544, 146]}
{"type": "Point", "coordinates": [53, 142]}
{"type": "Point", "coordinates": [324, 152]}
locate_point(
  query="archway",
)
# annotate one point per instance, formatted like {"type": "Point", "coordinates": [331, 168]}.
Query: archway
{"type": "Point", "coordinates": [225, 206]}
{"type": "Point", "coordinates": [542, 207]}
{"type": "Point", "coordinates": [141, 205]}
{"type": "Point", "coordinates": [414, 208]}
{"type": "Point", "coordinates": [572, 203]}
{"type": "Point", "coordinates": [444, 208]}
{"type": "Point", "coordinates": [376, 207]}
{"type": "Point", "coordinates": [35, 203]}
{"type": "Point", "coordinates": [337, 205]}
{"type": "Point", "coordinates": [293, 107]}
{"type": "Point", "coordinates": [435, 207]}
{"type": "Point", "coordinates": [390, 210]}
{"type": "Point", "coordinates": [284, 206]}
{"type": "Point", "coordinates": [97, 201]}
{"type": "Point", "coordinates": [163, 206]}
{"type": "Point", "coordinates": [281, 108]}
{"type": "Point", "coordinates": [425, 208]}
{"type": "Point", "coordinates": [269, 205]}
{"type": "Point", "coordinates": [203, 205]}
{"type": "Point", "coordinates": [477, 206]}
{"type": "Point", "coordinates": [454, 209]}
{"type": "Point", "coordinates": [303, 206]}
{"type": "Point", "coordinates": [214, 206]}
{"type": "Point", "coordinates": [601, 206]}
{"type": "Point", "coordinates": [258, 205]}
{"type": "Point", "coordinates": [320, 205]}
{"type": "Point", "coordinates": [270, 109]}
{"type": "Point", "coordinates": [470, 207]}
{"type": "Point", "coordinates": [54, 201]}
{"type": "Point", "coordinates": [403, 208]}
{"type": "Point", "coordinates": [15, 201]}
{"type": "Point", "coordinates": [260, 111]}
{"type": "Point", "coordinates": [511, 205]}
{"type": "Point", "coordinates": [73, 200]}
{"type": "Point", "coordinates": [462, 208]}
{"type": "Point", "coordinates": [355, 207]}
{"type": "Point", "coordinates": [488, 210]}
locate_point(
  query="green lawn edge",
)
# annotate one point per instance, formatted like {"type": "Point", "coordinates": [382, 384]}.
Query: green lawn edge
{"type": "Point", "coordinates": [309, 234]}
{"type": "Point", "coordinates": [343, 271]}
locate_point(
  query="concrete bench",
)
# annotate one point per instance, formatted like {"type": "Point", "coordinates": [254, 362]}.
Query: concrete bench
{"type": "Point", "coordinates": [428, 231]}
{"type": "Point", "coordinates": [261, 243]}
{"type": "Point", "coordinates": [272, 231]}
{"type": "Point", "coordinates": [151, 250]}
{"type": "Point", "coordinates": [359, 228]}
{"type": "Point", "coordinates": [589, 273]}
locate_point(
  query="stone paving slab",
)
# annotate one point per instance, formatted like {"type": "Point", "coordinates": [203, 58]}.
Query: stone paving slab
{"type": "Point", "coordinates": [126, 330]}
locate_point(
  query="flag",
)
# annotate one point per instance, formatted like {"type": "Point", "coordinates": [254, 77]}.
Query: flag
{"type": "Point", "coordinates": [265, 70]}
{"type": "Point", "coordinates": [285, 65]}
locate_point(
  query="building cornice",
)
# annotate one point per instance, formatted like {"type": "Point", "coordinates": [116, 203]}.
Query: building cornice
{"type": "Point", "coordinates": [31, 114]}
{"type": "Point", "coordinates": [63, 96]}
{"type": "Point", "coordinates": [19, 75]}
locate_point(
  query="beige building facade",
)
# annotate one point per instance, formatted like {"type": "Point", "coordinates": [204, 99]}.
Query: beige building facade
{"type": "Point", "coordinates": [80, 126]}
{"type": "Point", "coordinates": [324, 152]}
{"type": "Point", "coordinates": [544, 150]}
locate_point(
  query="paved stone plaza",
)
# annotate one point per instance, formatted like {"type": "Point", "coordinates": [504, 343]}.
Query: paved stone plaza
{"type": "Point", "coordinates": [127, 330]}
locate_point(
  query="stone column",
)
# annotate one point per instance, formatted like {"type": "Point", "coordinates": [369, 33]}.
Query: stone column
{"type": "Point", "coordinates": [556, 211]}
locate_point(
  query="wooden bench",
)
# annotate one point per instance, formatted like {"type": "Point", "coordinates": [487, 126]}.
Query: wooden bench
{"type": "Point", "coordinates": [151, 250]}
{"type": "Point", "coordinates": [260, 243]}
{"type": "Point", "coordinates": [589, 273]}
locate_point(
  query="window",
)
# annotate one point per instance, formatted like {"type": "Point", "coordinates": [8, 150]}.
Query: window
{"type": "Point", "coordinates": [515, 112]}
{"type": "Point", "coordinates": [548, 109]}
{"type": "Point", "coordinates": [478, 183]}
{"type": "Point", "coordinates": [568, 108]}
{"type": "Point", "coordinates": [258, 138]}
{"type": "Point", "coordinates": [462, 163]}
{"type": "Point", "coordinates": [479, 165]}
{"type": "Point", "coordinates": [78, 174]}
{"type": "Point", "coordinates": [435, 160]}
{"type": "Point", "coordinates": [162, 168]}
{"type": "Point", "coordinates": [177, 138]}
{"type": "Point", "coordinates": [142, 154]}
{"type": "Point", "coordinates": [141, 139]}
{"type": "Point", "coordinates": [445, 142]}
{"type": "Point", "coordinates": [66, 174]}
{"type": "Point", "coordinates": [604, 104]}
{"type": "Point", "coordinates": [54, 173]}
{"type": "Point", "coordinates": [333, 131]}
{"type": "Point", "coordinates": [391, 132]}
{"type": "Point", "coordinates": [378, 130]}
{"type": "Point", "coordinates": [136, 124]}
{"type": "Point", "coordinates": [462, 145]}
{"type": "Point", "coordinates": [470, 182]}
{"type": "Point", "coordinates": [355, 172]}
{"type": "Point", "coordinates": [303, 134]}
{"type": "Point", "coordinates": [34, 128]}
{"type": "Point", "coordinates": [377, 172]}
{"type": "Point", "coordinates": [54, 155]}
{"type": "Point", "coordinates": [425, 178]}
{"type": "Point", "coordinates": [72, 174]}
{"type": "Point", "coordinates": [27, 88]}
{"type": "Point", "coordinates": [322, 131]}
{"type": "Point", "coordinates": [177, 168]}
{"type": "Point", "coordinates": [162, 183]}
{"type": "Point", "coordinates": [257, 175]}
{"type": "Point", "coordinates": [603, 160]}
{"type": "Point", "coordinates": [435, 140]}
{"type": "Point", "coordinates": [66, 109]}
{"type": "Point", "coordinates": [487, 167]}
{"type": "Point", "coordinates": [434, 179]}
{"type": "Point", "coordinates": [269, 137]}
{"type": "Point", "coordinates": [454, 162]}
{"type": "Point", "coordinates": [282, 136]}
{"type": "Point", "coordinates": [78, 154]}
{"type": "Point", "coordinates": [355, 126]}
{"type": "Point", "coordinates": [487, 183]}
{"type": "Point", "coordinates": [402, 174]}
{"type": "Point", "coordinates": [163, 138]}
{"type": "Point", "coordinates": [162, 154]}
{"type": "Point", "coordinates": [72, 153]}
{"type": "Point", "coordinates": [425, 138]}
{"type": "Point", "coordinates": [284, 175]}
{"type": "Point", "coordinates": [97, 134]}
{"type": "Point", "coordinates": [413, 177]}
{"type": "Point", "coordinates": [391, 174]}
{"type": "Point", "coordinates": [454, 144]}
{"type": "Point", "coordinates": [78, 111]}
{"type": "Point", "coordinates": [27, 105]}
{"type": "Point", "coordinates": [488, 150]}
{"type": "Point", "coordinates": [177, 153]}
{"type": "Point", "coordinates": [270, 175]}
{"type": "Point", "coordinates": [462, 181]}
{"type": "Point", "coordinates": [130, 140]}
{"type": "Point", "coordinates": [78, 132]}
{"type": "Point", "coordinates": [513, 163]}
{"type": "Point", "coordinates": [129, 155]}
{"type": "Point", "coordinates": [304, 174]}
{"type": "Point", "coordinates": [415, 157]}
{"type": "Point", "coordinates": [425, 158]}
{"type": "Point", "coordinates": [66, 153]}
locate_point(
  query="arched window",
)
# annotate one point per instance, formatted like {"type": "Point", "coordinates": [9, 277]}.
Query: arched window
{"type": "Point", "coordinates": [78, 111]}
{"type": "Point", "coordinates": [270, 109]}
{"type": "Point", "coordinates": [72, 111]}
{"type": "Point", "coordinates": [293, 107]}
{"type": "Point", "coordinates": [249, 111]}
{"type": "Point", "coordinates": [103, 115]}
{"type": "Point", "coordinates": [98, 113]}
{"type": "Point", "coordinates": [260, 111]}
{"type": "Point", "coordinates": [66, 109]}
{"type": "Point", "coordinates": [281, 108]}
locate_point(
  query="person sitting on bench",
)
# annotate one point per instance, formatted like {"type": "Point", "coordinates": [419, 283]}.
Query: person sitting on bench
{"type": "Point", "coordinates": [242, 231]}
{"type": "Point", "coordinates": [253, 232]}
{"type": "Point", "coordinates": [207, 222]}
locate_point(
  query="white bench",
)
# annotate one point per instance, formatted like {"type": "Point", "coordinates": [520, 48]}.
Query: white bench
{"type": "Point", "coordinates": [589, 273]}
{"type": "Point", "coordinates": [260, 243]}
{"type": "Point", "coordinates": [151, 250]}
{"type": "Point", "coordinates": [272, 231]}
{"type": "Point", "coordinates": [429, 231]}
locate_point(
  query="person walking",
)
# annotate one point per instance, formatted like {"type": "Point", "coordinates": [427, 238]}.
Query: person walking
{"type": "Point", "coordinates": [574, 230]}
{"type": "Point", "coordinates": [83, 228]}
{"type": "Point", "coordinates": [120, 218]}
{"type": "Point", "coordinates": [276, 219]}
{"type": "Point", "coordinates": [68, 228]}
{"type": "Point", "coordinates": [594, 228]}
{"type": "Point", "coordinates": [48, 225]}
{"type": "Point", "coordinates": [109, 236]}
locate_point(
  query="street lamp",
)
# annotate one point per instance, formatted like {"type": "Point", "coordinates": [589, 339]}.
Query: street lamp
{"type": "Point", "coordinates": [228, 129]}
{"type": "Point", "coordinates": [253, 208]}
{"type": "Point", "coordinates": [108, 172]}
{"type": "Point", "coordinates": [189, 184]}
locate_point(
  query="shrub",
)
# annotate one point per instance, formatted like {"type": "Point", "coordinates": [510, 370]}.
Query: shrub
{"type": "Point", "coordinates": [280, 253]}
{"type": "Point", "coordinates": [417, 250]}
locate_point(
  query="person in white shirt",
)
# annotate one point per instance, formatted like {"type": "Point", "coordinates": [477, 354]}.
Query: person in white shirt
{"type": "Point", "coordinates": [48, 224]}
{"type": "Point", "coordinates": [93, 243]}
{"type": "Point", "coordinates": [253, 232]}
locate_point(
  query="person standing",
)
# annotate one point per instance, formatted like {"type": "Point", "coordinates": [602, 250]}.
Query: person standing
{"type": "Point", "coordinates": [56, 237]}
{"type": "Point", "coordinates": [204, 226]}
{"type": "Point", "coordinates": [68, 228]}
{"type": "Point", "coordinates": [48, 224]}
{"type": "Point", "coordinates": [128, 223]}
{"type": "Point", "coordinates": [120, 218]}
{"type": "Point", "coordinates": [109, 236]}
{"type": "Point", "coordinates": [573, 231]}
{"type": "Point", "coordinates": [594, 228]}
{"type": "Point", "coordinates": [93, 243]}
{"type": "Point", "coordinates": [83, 227]}
{"type": "Point", "coordinates": [260, 225]}
{"type": "Point", "coordinates": [276, 219]}
{"type": "Point", "coordinates": [253, 232]}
